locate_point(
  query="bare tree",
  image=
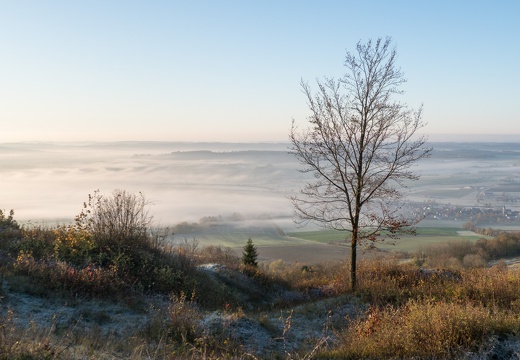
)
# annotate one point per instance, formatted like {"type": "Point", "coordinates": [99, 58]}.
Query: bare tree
{"type": "Point", "coordinates": [360, 146]}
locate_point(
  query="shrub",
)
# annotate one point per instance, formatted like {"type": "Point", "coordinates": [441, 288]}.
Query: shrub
{"type": "Point", "coordinates": [8, 222]}
{"type": "Point", "coordinates": [9, 229]}
{"type": "Point", "coordinates": [447, 254]}
{"type": "Point", "coordinates": [110, 248]}
{"type": "Point", "coordinates": [473, 261]}
{"type": "Point", "coordinates": [218, 254]}
{"type": "Point", "coordinates": [74, 245]}
{"type": "Point", "coordinates": [114, 232]}
{"type": "Point", "coordinates": [463, 253]}
{"type": "Point", "coordinates": [90, 281]}
{"type": "Point", "coordinates": [36, 239]}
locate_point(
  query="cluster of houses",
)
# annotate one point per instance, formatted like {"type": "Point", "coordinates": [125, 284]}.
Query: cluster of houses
{"type": "Point", "coordinates": [475, 214]}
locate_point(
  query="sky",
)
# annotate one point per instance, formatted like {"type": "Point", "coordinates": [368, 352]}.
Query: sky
{"type": "Point", "coordinates": [231, 70]}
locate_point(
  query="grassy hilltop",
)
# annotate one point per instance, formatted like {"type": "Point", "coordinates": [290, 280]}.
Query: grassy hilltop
{"type": "Point", "coordinates": [110, 287]}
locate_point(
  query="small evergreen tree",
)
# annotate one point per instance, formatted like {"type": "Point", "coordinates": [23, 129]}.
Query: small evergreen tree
{"type": "Point", "coordinates": [250, 254]}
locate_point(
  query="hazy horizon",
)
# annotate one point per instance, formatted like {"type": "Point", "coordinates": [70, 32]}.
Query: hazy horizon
{"type": "Point", "coordinates": [432, 138]}
{"type": "Point", "coordinates": [46, 181]}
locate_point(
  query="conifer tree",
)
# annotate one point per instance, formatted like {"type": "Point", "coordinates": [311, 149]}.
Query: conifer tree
{"type": "Point", "coordinates": [250, 254]}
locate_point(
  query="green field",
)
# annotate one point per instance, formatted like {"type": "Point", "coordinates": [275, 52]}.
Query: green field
{"type": "Point", "coordinates": [268, 235]}
{"type": "Point", "coordinates": [235, 235]}
{"type": "Point", "coordinates": [321, 236]}
{"type": "Point", "coordinates": [327, 236]}
{"type": "Point", "coordinates": [425, 236]}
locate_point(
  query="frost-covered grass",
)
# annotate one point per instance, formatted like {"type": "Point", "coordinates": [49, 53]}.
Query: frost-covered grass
{"type": "Point", "coordinates": [63, 297]}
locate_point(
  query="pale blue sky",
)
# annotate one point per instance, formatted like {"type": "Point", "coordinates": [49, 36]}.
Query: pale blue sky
{"type": "Point", "coordinates": [230, 70]}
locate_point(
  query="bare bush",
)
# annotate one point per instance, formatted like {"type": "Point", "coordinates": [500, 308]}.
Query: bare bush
{"type": "Point", "coordinates": [120, 220]}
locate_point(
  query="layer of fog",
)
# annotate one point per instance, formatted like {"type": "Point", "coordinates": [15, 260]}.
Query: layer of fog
{"type": "Point", "coordinates": [187, 181]}
{"type": "Point", "coordinates": [51, 181]}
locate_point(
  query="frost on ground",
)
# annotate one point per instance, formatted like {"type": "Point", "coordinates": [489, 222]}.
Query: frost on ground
{"type": "Point", "coordinates": [301, 328]}
{"type": "Point", "coordinates": [497, 348]}
{"type": "Point", "coordinates": [298, 329]}
{"type": "Point", "coordinates": [261, 333]}
{"type": "Point", "coordinates": [109, 320]}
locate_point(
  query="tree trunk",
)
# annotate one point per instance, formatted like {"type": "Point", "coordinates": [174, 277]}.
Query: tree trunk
{"type": "Point", "coordinates": [353, 246]}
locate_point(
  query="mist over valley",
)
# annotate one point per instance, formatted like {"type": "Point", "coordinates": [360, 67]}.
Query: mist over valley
{"type": "Point", "coordinates": [184, 182]}
{"type": "Point", "coordinates": [209, 190]}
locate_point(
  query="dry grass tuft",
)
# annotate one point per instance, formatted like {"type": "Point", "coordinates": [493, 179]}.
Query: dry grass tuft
{"type": "Point", "coordinates": [424, 330]}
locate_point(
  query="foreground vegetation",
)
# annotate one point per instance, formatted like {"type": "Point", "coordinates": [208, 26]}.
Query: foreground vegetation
{"type": "Point", "coordinates": [444, 303]}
